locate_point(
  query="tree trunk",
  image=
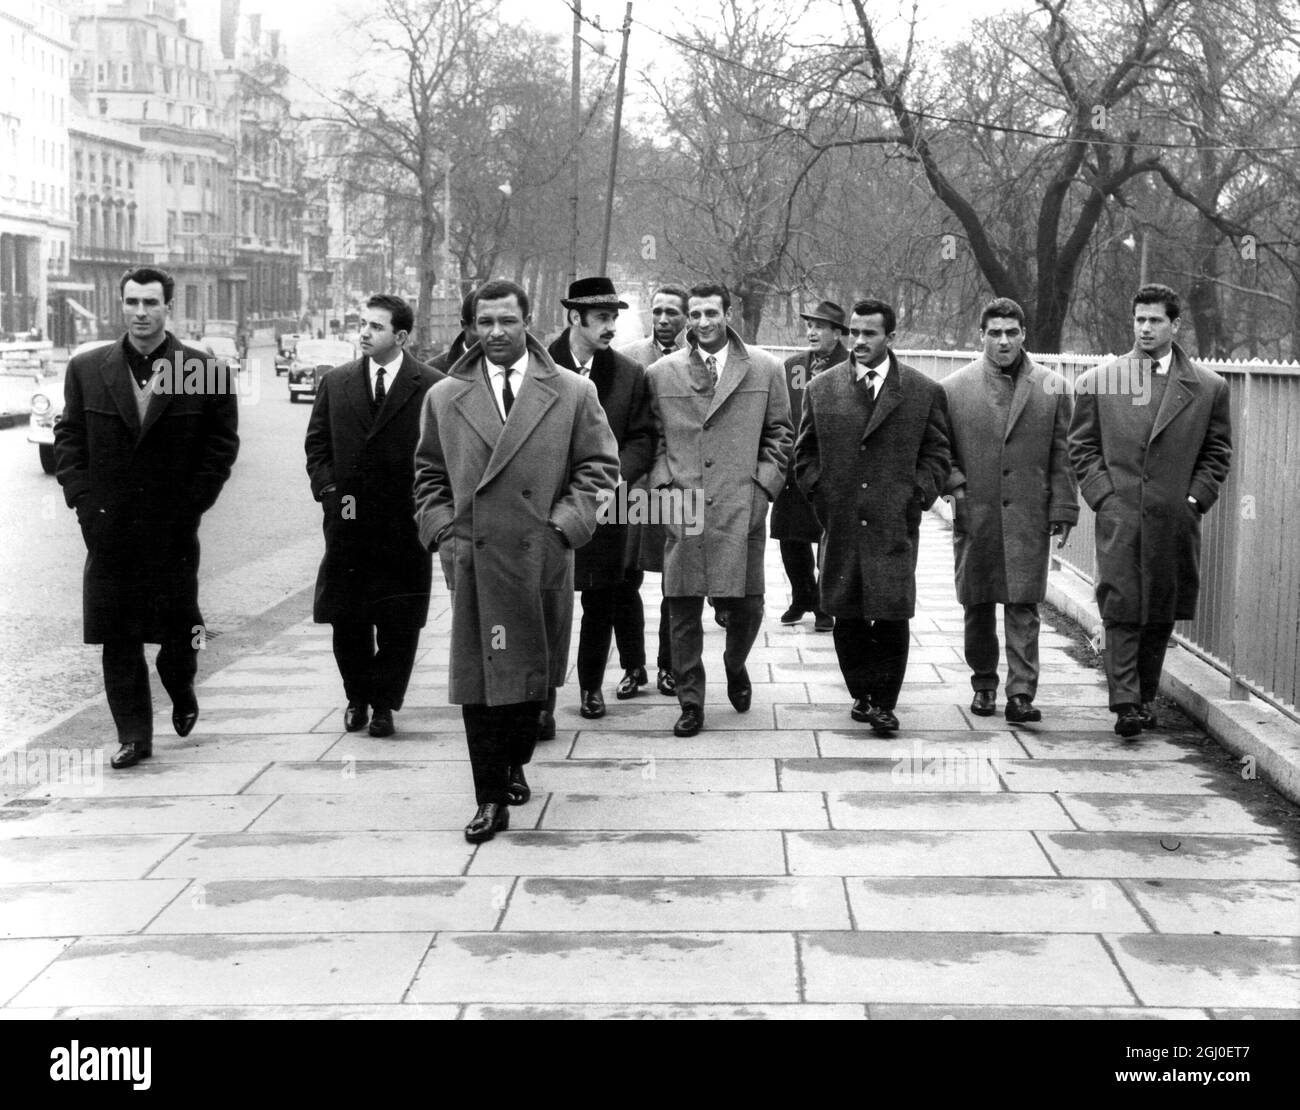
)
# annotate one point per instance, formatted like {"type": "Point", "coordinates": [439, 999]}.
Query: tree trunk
{"type": "Point", "coordinates": [429, 244]}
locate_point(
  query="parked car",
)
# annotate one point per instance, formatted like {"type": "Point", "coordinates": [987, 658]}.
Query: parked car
{"type": "Point", "coordinates": [284, 350]}
{"type": "Point", "coordinates": [311, 359]}
{"type": "Point", "coordinates": [47, 403]}
{"type": "Point", "coordinates": [222, 347]}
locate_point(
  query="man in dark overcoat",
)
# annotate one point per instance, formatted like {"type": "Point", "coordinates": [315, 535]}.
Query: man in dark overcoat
{"type": "Point", "coordinates": [794, 523]}
{"type": "Point", "coordinates": [646, 541]}
{"type": "Point", "coordinates": [872, 456]}
{"type": "Point", "coordinates": [1013, 489]}
{"type": "Point", "coordinates": [373, 583]}
{"type": "Point", "coordinates": [146, 440]}
{"type": "Point", "coordinates": [610, 588]}
{"type": "Point", "coordinates": [1151, 441]}
{"type": "Point", "coordinates": [465, 338]}
{"type": "Point", "coordinates": [513, 457]}
{"type": "Point", "coordinates": [722, 415]}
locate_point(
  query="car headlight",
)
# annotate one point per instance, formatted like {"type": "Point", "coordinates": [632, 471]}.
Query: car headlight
{"type": "Point", "coordinates": [41, 404]}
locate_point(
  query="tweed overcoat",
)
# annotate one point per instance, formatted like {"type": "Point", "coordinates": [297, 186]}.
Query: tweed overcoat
{"type": "Point", "coordinates": [792, 517]}
{"type": "Point", "coordinates": [621, 388]}
{"type": "Point", "coordinates": [869, 480]}
{"type": "Point", "coordinates": [1009, 459]}
{"type": "Point", "coordinates": [375, 569]}
{"type": "Point", "coordinates": [725, 452]}
{"type": "Point", "coordinates": [646, 541]}
{"type": "Point", "coordinates": [139, 490]}
{"type": "Point", "coordinates": [1137, 468]}
{"type": "Point", "coordinates": [489, 498]}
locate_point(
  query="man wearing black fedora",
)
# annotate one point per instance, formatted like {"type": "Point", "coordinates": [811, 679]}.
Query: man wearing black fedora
{"type": "Point", "coordinates": [794, 523]}
{"type": "Point", "coordinates": [610, 586]}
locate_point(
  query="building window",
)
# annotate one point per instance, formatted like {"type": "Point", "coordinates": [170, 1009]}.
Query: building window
{"type": "Point", "coordinates": [130, 170]}
{"type": "Point", "coordinates": [101, 73]}
{"type": "Point", "coordinates": [192, 301]}
{"type": "Point", "coordinates": [78, 171]}
{"type": "Point", "coordinates": [117, 172]}
{"type": "Point", "coordinates": [103, 106]}
{"type": "Point", "coordinates": [167, 168]}
{"type": "Point", "coordinates": [126, 73]}
{"type": "Point", "coordinates": [188, 170]}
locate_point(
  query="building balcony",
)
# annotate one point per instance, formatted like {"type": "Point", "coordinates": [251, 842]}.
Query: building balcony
{"type": "Point", "coordinates": [83, 253]}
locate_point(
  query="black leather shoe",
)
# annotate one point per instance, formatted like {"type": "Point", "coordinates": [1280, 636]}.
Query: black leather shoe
{"type": "Point", "coordinates": [1147, 714]}
{"type": "Point", "coordinates": [488, 821]}
{"type": "Point", "coordinates": [861, 710]}
{"type": "Point", "coordinates": [355, 716]}
{"type": "Point", "coordinates": [631, 683]}
{"type": "Point", "coordinates": [546, 725]}
{"type": "Point", "coordinates": [185, 712]}
{"type": "Point", "coordinates": [1021, 711]}
{"type": "Point", "coordinates": [667, 684]}
{"type": "Point", "coordinates": [824, 622]}
{"type": "Point", "coordinates": [518, 792]}
{"type": "Point", "coordinates": [381, 724]}
{"type": "Point", "coordinates": [984, 703]}
{"type": "Point", "coordinates": [592, 704]}
{"type": "Point", "coordinates": [793, 615]}
{"type": "Point", "coordinates": [740, 692]}
{"type": "Point", "coordinates": [129, 754]}
{"type": "Point", "coordinates": [882, 721]}
{"type": "Point", "coordinates": [720, 617]}
{"type": "Point", "coordinates": [690, 722]}
{"type": "Point", "coordinates": [1128, 721]}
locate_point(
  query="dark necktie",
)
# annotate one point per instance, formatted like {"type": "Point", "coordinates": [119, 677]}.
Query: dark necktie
{"type": "Point", "coordinates": [380, 391]}
{"type": "Point", "coordinates": [507, 394]}
{"type": "Point", "coordinates": [869, 391]}
{"type": "Point", "coordinates": [711, 364]}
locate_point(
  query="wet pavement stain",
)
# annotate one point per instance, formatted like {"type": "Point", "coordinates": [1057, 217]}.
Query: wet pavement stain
{"type": "Point", "coordinates": [239, 892]}
{"type": "Point", "coordinates": [1201, 846]}
{"type": "Point", "coordinates": [1247, 957]}
{"type": "Point", "coordinates": [207, 948]}
{"type": "Point", "coordinates": [939, 949]}
{"type": "Point", "coordinates": [267, 840]}
{"type": "Point", "coordinates": [650, 891]}
{"type": "Point", "coordinates": [495, 946]}
{"type": "Point", "coordinates": [542, 838]}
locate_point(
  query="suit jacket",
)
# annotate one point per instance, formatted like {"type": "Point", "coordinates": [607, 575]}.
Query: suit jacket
{"type": "Point", "coordinates": [443, 362]}
{"type": "Point", "coordinates": [621, 388]}
{"type": "Point", "coordinates": [792, 517]}
{"type": "Point", "coordinates": [505, 505]}
{"type": "Point", "coordinates": [1136, 468]}
{"type": "Point", "coordinates": [722, 457]}
{"type": "Point", "coordinates": [869, 479]}
{"type": "Point", "coordinates": [139, 489]}
{"type": "Point", "coordinates": [1010, 467]}
{"type": "Point", "coordinates": [375, 568]}
{"type": "Point", "coordinates": [646, 352]}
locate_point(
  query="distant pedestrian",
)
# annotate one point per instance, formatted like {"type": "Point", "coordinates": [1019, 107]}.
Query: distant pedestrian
{"type": "Point", "coordinates": [465, 338]}
{"type": "Point", "coordinates": [1151, 441]}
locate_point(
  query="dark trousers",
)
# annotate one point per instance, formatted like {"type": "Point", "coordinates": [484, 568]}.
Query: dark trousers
{"type": "Point", "coordinates": [611, 611]}
{"type": "Point", "coordinates": [370, 677]}
{"type": "Point", "coordinates": [1134, 655]}
{"type": "Point", "coordinates": [873, 658]}
{"type": "Point", "coordinates": [126, 682]}
{"type": "Point", "coordinates": [744, 618]}
{"type": "Point", "coordinates": [1020, 626]}
{"type": "Point", "coordinates": [664, 659]}
{"type": "Point", "coordinates": [801, 568]}
{"type": "Point", "coordinates": [499, 737]}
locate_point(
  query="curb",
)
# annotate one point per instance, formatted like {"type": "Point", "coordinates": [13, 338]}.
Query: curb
{"type": "Point", "coordinates": [1267, 741]}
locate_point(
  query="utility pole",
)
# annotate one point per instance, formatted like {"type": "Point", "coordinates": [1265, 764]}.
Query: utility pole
{"type": "Point", "coordinates": [613, 152]}
{"type": "Point", "coordinates": [575, 127]}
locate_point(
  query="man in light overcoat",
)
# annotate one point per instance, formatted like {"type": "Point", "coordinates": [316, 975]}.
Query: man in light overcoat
{"type": "Point", "coordinates": [1150, 442]}
{"type": "Point", "coordinates": [514, 454]}
{"type": "Point", "coordinates": [1013, 489]}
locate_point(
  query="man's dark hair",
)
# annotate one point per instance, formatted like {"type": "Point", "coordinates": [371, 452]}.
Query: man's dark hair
{"type": "Point", "coordinates": [1162, 295]}
{"type": "Point", "coordinates": [869, 306]}
{"type": "Point", "coordinates": [498, 289]}
{"type": "Point", "coordinates": [678, 291]}
{"type": "Point", "coordinates": [467, 309]}
{"type": "Point", "coordinates": [144, 275]}
{"type": "Point", "coordinates": [1004, 307]}
{"type": "Point", "coordinates": [398, 309]}
{"type": "Point", "coordinates": [711, 289]}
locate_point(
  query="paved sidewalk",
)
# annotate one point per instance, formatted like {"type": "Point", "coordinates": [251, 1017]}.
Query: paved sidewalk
{"type": "Point", "coordinates": [784, 862]}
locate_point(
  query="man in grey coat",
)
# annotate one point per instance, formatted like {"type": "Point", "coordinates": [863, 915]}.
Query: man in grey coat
{"type": "Point", "coordinates": [1012, 489]}
{"type": "Point", "coordinates": [513, 457]}
{"type": "Point", "coordinates": [723, 419]}
{"type": "Point", "coordinates": [1151, 441]}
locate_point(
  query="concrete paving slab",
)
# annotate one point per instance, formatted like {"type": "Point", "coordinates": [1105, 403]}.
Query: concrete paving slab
{"type": "Point", "coordinates": [21, 961]}
{"type": "Point", "coordinates": [239, 748]}
{"type": "Point", "coordinates": [1215, 906]}
{"type": "Point", "coordinates": [123, 816]}
{"type": "Point", "coordinates": [940, 718]}
{"type": "Point", "coordinates": [1256, 1013]}
{"type": "Point", "coordinates": [632, 853]}
{"type": "Point", "coordinates": [966, 968]}
{"type": "Point", "coordinates": [949, 811]}
{"type": "Point", "coordinates": [1171, 856]}
{"type": "Point", "coordinates": [604, 968]}
{"type": "Point", "coordinates": [1132, 776]}
{"type": "Point", "coordinates": [1181, 813]}
{"type": "Point", "coordinates": [630, 776]}
{"type": "Point", "coordinates": [1211, 971]}
{"type": "Point", "coordinates": [778, 1012]}
{"type": "Point", "coordinates": [87, 908]}
{"type": "Point", "coordinates": [244, 721]}
{"type": "Point", "coordinates": [159, 779]}
{"type": "Point", "coordinates": [420, 747]}
{"type": "Point", "coordinates": [335, 905]}
{"type": "Point", "coordinates": [644, 715]}
{"type": "Point", "coordinates": [678, 810]}
{"type": "Point", "coordinates": [443, 718]}
{"type": "Point", "coordinates": [595, 743]}
{"type": "Point", "coordinates": [916, 853]}
{"type": "Point", "coordinates": [1034, 1013]}
{"type": "Point", "coordinates": [862, 743]}
{"type": "Point", "coordinates": [345, 812]}
{"type": "Point", "coordinates": [49, 859]}
{"type": "Point", "coordinates": [992, 905]}
{"type": "Point", "coordinates": [373, 777]}
{"type": "Point", "coordinates": [404, 1011]}
{"type": "Point", "coordinates": [1103, 746]}
{"type": "Point", "coordinates": [962, 775]}
{"type": "Point", "coordinates": [290, 854]}
{"type": "Point", "coordinates": [230, 970]}
{"type": "Point", "coordinates": [696, 904]}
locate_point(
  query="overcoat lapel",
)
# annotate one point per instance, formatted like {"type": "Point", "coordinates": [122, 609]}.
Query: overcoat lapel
{"type": "Point", "coordinates": [117, 380]}
{"type": "Point", "coordinates": [1181, 389]}
{"type": "Point", "coordinates": [602, 374]}
{"type": "Point", "coordinates": [536, 396]}
{"type": "Point", "coordinates": [405, 382]}
{"type": "Point", "coordinates": [737, 368]}
{"type": "Point", "coordinates": [356, 390]}
{"type": "Point", "coordinates": [1030, 379]}
{"type": "Point", "coordinates": [476, 404]}
{"type": "Point", "coordinates": [890, 397]}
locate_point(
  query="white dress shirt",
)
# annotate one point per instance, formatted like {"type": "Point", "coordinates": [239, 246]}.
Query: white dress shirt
{"type": "Point", "coordinates": [1161, 365]}
{"type": "Point", "coordinates": [880, 372]}
{"type": "Point", "coordinates": [719, 357]}
{"type": "Point", "coordinates": [496, 379]}
{"type": "Point", "coordinates": [390, 372]}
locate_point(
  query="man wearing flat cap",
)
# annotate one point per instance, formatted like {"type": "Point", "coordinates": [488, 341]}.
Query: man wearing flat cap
{"type": "Point", "coordinates": [609, 586]}
{"type": "Point", "coordinates": [794, 523]}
